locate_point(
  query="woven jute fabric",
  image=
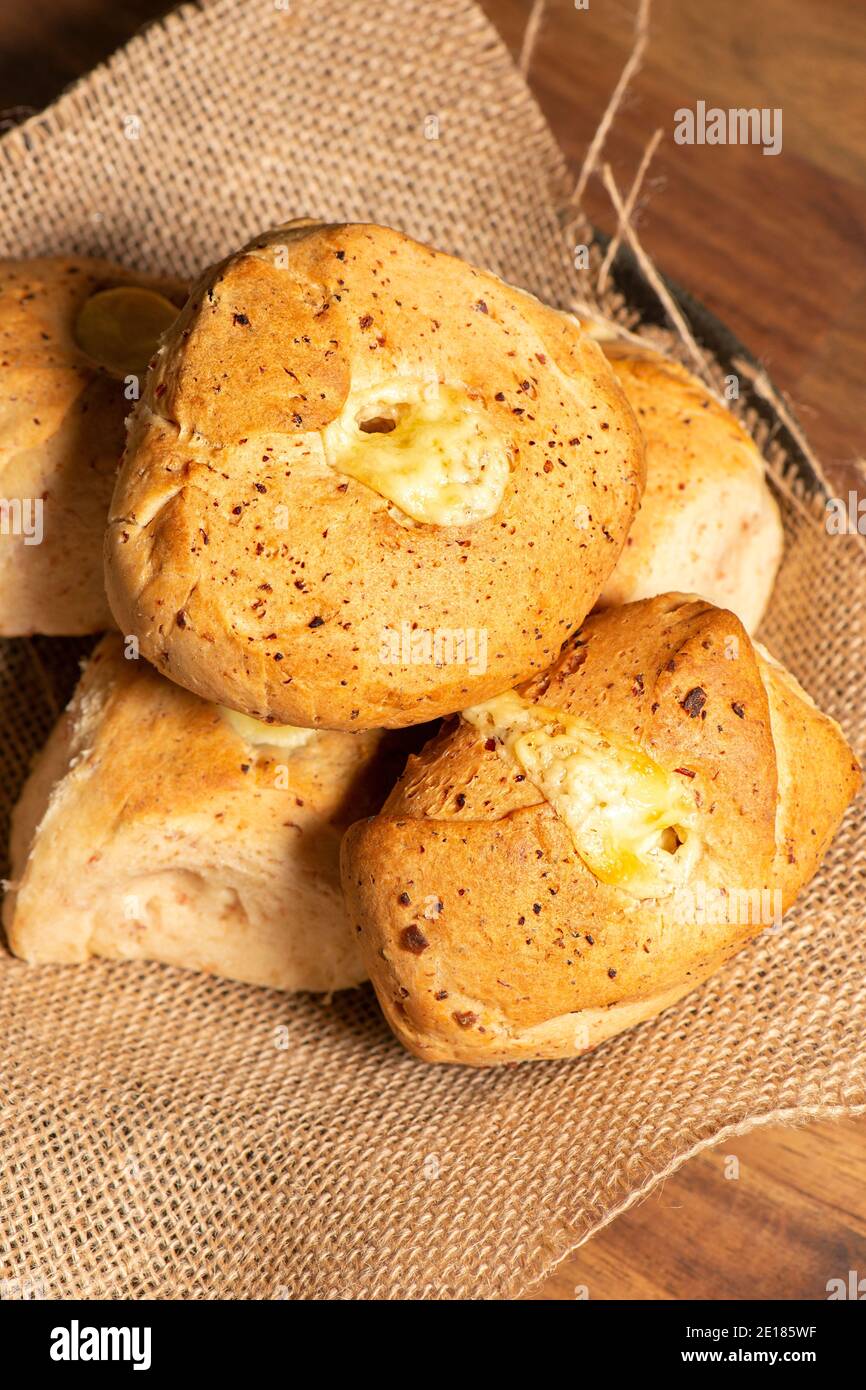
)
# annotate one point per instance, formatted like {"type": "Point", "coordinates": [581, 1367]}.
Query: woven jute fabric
{"type": "Point", "coordinates": [169, 1135]}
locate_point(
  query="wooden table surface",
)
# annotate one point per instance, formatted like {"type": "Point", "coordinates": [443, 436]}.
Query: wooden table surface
{"type": "Point", "coordinates": [775, 247]}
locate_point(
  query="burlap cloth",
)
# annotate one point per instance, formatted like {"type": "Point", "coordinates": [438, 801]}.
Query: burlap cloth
{"type": "Point", "coordinates": [161, 1136]}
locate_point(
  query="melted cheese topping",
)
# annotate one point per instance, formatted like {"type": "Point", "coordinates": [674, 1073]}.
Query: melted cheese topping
{"type": "Point", "coordinates": [628, 817]}
{"type": "Point", "coordinates": [121, 328]}
{"type": "Point", "coordinates": [258, 732]}
{"type": "Point", "coordinates": [426, 447]}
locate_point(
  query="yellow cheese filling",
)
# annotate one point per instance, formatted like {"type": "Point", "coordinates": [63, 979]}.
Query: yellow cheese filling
{"type": "Point", "coordinates": [630, 820]}
{"type": "Point", "coordinates": [257, 732]}
{"type": "Point", "coordinates": [426, 447]}
{"type": "Point", "coordinates": [120, 328]}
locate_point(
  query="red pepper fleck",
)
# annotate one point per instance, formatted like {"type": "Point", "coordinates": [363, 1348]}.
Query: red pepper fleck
{"type": "Point", "coordinates": [694, 701]}
{"type": "Point", "coordinates": [413, 939]}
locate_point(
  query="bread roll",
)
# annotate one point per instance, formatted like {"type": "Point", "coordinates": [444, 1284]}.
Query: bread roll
{"type": "Point", "coordinates": [574, 856]}
{"type": "Point", "coordinates": [156, 827]}
{"type": "Point", "coordinates": [708, 523]}
{"type": "Point", "coordinates": [61, 429]}
{"type": "Point", "coordinates": [367, 483]}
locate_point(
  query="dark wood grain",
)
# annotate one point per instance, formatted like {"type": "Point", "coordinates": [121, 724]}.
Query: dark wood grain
{"type": "Point", "coordinates": [793, 1219]}
{"type": "Point", "coordinates": [775, 246]}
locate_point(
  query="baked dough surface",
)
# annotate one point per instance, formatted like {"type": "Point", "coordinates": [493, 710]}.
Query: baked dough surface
{"type": "Point", "coordinates": [61, 437]}
{"type": "Point", "coordinates": [276, 564]}
{"type": "Point", "coordinates": [708, 523]}
{"type": "Point", "coordinates": [488, 936]}
{"type": "Point", "coordinates": [150, 829]}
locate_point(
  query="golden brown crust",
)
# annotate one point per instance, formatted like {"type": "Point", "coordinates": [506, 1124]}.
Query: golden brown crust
{"type": "Point", "coordinates": [150, 829]}
{"type": "Point", "coordinates": [708, 523]}
{"type": "Point", "coordinates": [486, 935]}
{"type": "Point", "coordinates": [817, 773]}
{"type": "Point", "coordinates": [61, 436]}
{"type": "Point", "coordinates": [289, 623]}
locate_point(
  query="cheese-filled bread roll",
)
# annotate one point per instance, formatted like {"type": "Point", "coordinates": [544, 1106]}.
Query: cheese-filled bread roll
{"type": "Point", "coordinates": [155, 826]}
{"type": "Point", "coordinates": [367, 483]}
{"type": "Point", "coordinates": [573, 856]}
{"type": "Point", "coordinates": [76, 335]}
{"type": "Point", "coordinates": [708, 523]}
